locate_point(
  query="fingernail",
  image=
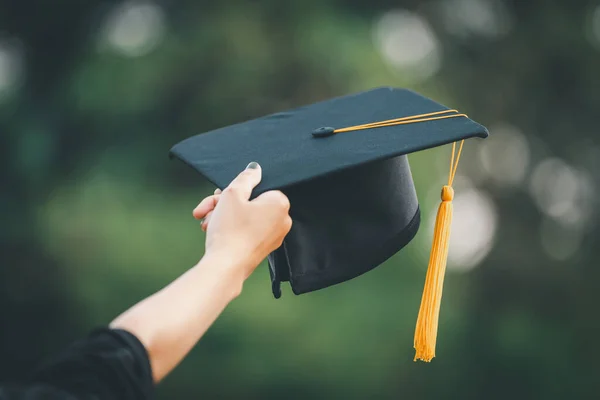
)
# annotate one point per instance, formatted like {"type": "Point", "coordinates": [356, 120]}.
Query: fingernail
{"type": "Point", "coordinates": [252, 165]}
{"type": "Point", "coordinates": [202, 221]}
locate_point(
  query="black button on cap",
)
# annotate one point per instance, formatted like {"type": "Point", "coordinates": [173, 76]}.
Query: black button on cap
{"type": "Point", "coordinates": [323, 132]}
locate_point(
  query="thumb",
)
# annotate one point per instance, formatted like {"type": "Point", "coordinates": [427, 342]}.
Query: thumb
{"type": "Point", "coordinates": [246, 181]}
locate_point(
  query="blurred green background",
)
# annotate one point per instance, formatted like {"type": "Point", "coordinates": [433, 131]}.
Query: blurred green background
{"type": "Point", "coordinates": [94, 216]}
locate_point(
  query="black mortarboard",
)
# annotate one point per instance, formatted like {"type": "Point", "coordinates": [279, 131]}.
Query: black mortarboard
{"type": "Point", "coordinates": [353, 200]}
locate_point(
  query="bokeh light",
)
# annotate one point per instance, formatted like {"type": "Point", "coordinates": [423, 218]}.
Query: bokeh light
{"type": "Point", "coordinates": [594, 27]}
{"type": "Point", "coordinates": [11, 66]}
{"type": "Point", "coordinates": [559, 242]}
{"type": "Point", "coordinates": [505, 156]}
{"type": "Point", "coordinates": [408, 44]}
{"type": "Point", "coordinates": [563, 192]}
{"type": "Point", "coordinates": [94, 216]}
{"type": "Point", "coordinates": [488, 18]}
{"type": "Point", "coordinates": [134, 28]}
{"type": "Point", "coordinates": [474, 225]}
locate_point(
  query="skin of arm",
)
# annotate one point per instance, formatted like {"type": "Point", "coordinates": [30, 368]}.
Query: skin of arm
{"type": "Point", "coordinates": [240, 234]}
{"type": "Point", "coordinates": [170, 322]}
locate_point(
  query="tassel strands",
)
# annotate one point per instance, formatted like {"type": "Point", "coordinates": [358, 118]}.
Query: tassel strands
{"type": "Point", "coordinates": [427, 321]}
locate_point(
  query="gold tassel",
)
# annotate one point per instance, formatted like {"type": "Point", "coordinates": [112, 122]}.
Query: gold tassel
{"type": "Point", "coordinates": [427, 321]}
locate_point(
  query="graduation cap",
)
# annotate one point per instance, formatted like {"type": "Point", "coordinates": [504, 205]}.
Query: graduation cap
{"type": "Point", "coordinates": [343, 165]}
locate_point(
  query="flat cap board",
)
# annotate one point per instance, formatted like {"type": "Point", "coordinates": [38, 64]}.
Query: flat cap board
{"type": "Point", "coordinates": [283, 144]}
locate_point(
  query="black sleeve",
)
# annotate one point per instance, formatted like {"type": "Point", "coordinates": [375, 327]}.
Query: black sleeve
{"type": "Point", "coordinates": [109, 364]}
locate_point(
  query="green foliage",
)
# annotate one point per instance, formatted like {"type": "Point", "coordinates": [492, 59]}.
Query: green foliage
{"type": "Point", "coordinates": [94, 216]}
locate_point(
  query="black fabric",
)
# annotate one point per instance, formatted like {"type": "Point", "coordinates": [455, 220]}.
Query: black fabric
{"type": "Point", "coordinates": [353, 200]}
{"type": "Point", "coordinates": [343, 227]}
{"type": "Point", "coordinates": [109, 364]}
{"type": "Point", "coordinates": [283, 144]}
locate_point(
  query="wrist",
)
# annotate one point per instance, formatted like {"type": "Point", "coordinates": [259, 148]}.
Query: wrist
{"type": "Point", "coordinates": [226, 271]}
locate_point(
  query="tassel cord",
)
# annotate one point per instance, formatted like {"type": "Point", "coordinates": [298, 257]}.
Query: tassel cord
{"type": "Point", "coordinates": [427, 321]}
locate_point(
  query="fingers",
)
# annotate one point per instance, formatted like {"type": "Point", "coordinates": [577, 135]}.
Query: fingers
{"type": "Point", "coordinates": [276, 198]}
{"type": "Point", "coordinates": [204, 222]}
{"type": "Point", "coordinates": [206, 206]}
{"type": "Point", "coordinates": [245, 182]}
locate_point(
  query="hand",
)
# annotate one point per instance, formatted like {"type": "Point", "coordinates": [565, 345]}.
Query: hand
{"type": "Point", "coordinates": [240, 234]}
{"type": "Point", "coordinates": [241, 230]}
{"type": "Point", "coordinates": [208, 203]}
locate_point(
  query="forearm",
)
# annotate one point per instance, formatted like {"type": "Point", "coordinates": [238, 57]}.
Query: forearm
{"type": "Point", "coordinates": [170, 322]}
